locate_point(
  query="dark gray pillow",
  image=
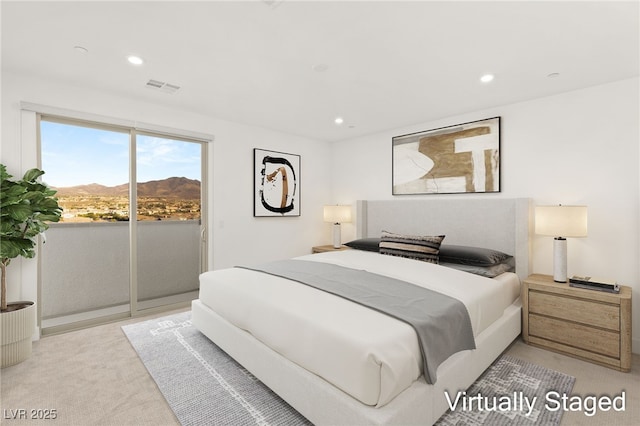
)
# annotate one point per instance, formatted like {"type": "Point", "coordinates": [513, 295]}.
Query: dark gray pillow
{"type": "Point", "coordinates": [491, 271]}
{"type": "Point", "coordinates": [366, 244]}
{"type": "Point", "coordinates": [474, 256]}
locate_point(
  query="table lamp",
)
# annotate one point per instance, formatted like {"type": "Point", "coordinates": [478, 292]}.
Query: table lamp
{"type": "Point", "coordinates": [561, 222]}
{"type": "Point", "coordinates": [337, 215]}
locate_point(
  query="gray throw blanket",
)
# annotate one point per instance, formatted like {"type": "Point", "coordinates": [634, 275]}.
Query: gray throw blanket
{"type": "Point", "coordinates": [441, 322]}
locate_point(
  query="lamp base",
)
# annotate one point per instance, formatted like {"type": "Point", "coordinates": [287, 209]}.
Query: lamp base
{"type": "Point", "coordinates": [560, 260]}
{"type": "Point", "coordinates": [337, 239]}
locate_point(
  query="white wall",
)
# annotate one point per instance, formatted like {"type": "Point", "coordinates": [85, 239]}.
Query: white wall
{"type": "Point", "coordinates": [580, 147]}
{"type": "Point", "coordinates": [235, 235]}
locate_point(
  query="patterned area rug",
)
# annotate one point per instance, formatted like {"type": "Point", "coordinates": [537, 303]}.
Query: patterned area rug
{"type": "Point", "coordinates": [204, 386]}
{"type": "Point", "coordinates": [201, 383]}
{"type": "Point", "coordinates": [506, 392]}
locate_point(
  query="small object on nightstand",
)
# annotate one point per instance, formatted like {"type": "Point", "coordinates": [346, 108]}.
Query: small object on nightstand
{"type": "Point", "coordinates": [323, 249]}
{"type": "Point", "coordinates": [594, 326]}
{"type": "Point", "coordinates": [594, 284]}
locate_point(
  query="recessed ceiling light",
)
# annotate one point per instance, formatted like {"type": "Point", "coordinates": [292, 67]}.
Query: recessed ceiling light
{"type": "Point", "coordinates": [487, 78]}
{"type": "Point", "coordinates": [135, 60]}
{"type": "Point", "coordinates": [338, 121]}
{"type": "Point", "coordinates": [554, 75]}
{"type": "Point", "coordinates": [272, 3]}
{"type": "Point", "coordinates": [320, 67]}
{"type": "Point", "coordinates": [80, 49]}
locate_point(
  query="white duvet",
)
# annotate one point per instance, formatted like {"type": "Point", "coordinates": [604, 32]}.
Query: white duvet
{"type": "Point", "coordinates": [367, 354]}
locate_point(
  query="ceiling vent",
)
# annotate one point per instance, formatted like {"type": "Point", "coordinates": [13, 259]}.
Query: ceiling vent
{"type": "Point", "coordinates": [272, 3]}
{"type": "Point", "coordinates": [162, 86]}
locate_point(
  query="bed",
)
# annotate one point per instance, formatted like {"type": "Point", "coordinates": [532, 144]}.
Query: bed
{"type": "Point", "coordinates": [303, 351]}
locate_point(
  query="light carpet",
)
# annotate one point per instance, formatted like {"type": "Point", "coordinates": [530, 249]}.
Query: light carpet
{"type": "Point", "coordinates": [204, 386]}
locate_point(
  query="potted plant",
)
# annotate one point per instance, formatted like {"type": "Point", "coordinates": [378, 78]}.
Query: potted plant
{"type": "Point", "coordinates": [26, 206]}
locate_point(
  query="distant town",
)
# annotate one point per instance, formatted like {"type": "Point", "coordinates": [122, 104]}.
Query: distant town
{"type": "Point", "coordinates": [116, 209]}
{"type": "Point", "coordinates": [169, 199]}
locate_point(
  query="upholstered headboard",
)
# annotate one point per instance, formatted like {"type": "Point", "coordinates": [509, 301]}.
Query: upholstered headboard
{"type": "Point", "coordinates": [503, 224]}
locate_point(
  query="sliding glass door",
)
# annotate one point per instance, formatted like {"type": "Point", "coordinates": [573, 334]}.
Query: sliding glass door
{"type": "Point", "coordinates": [131, 236]}
{"type": "Point", "coordinates": [169, 220]}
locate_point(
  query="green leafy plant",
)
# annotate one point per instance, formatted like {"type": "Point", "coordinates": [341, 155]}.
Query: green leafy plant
{"type": "Point", "coordinates": [26, 206]}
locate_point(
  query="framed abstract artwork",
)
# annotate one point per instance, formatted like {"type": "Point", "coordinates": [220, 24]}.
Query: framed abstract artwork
{"type": "Point", "coordinates": [464, 158]}
{"type": "Point", "coordinates": [276, 184]}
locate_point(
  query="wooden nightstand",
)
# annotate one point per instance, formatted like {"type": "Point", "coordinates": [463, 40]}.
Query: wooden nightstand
{"type": "Point", "coordinates": [322, 249]}
{"type": "Point", "coordinates": [591, 325]}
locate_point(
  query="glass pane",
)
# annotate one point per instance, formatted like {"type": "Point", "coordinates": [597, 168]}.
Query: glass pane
{"type": "Point", "coordinates": [90, 169]}
{"type": "Point", "coordinates": [168, 179]}
{"type": "Point", "coordinates": [85, 261]}
{"type": "Point", "coordinates": [168, 232]}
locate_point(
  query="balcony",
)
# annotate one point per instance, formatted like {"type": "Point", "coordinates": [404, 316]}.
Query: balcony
{"type": "Point", "coordinates": [86, 268]}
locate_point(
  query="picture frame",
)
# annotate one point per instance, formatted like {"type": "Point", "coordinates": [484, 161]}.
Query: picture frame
{"type": "Point", "coordinates": [463, 158]}
{"type": "Point", "coordinates": [276, 184]}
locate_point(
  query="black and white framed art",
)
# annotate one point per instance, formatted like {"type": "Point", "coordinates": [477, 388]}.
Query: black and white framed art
{"type": "Point", "coordinates": [276, 187]}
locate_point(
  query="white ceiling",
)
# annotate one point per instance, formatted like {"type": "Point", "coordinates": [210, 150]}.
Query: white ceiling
{"type": "Point", "coordinates": [390, 64]}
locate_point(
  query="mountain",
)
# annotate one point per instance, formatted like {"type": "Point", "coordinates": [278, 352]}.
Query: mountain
{"type": "Point", "coordinates": [173, 187]}
{"type": "Point", "coordinates": [93, 189]}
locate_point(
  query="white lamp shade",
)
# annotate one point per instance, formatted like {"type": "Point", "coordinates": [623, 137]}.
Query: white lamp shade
{"type": "Point", "coordinates": [337, 214]}
{"type": "Point", "coordinates": [561, 221]}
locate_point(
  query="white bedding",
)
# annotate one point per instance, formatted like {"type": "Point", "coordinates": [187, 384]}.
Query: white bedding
{"type": "Point", "coordinates": [368, 355]}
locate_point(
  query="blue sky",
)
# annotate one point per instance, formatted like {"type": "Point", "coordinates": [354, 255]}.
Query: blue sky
{"type": "Point", "coordinates": [74, 155]}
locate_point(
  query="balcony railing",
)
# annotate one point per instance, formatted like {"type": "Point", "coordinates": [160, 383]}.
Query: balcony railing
{"type": "Point", "coordinates": [86, 266]}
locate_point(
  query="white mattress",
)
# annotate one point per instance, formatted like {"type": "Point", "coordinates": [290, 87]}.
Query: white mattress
{"type": "Point", "coordinates": [368, 355]}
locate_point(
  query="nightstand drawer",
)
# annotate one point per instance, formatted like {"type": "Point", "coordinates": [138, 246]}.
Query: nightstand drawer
{"type": "Point", "coordinates": [576, 310]}
{"type": "Point", "coordinates": [576, 335]}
